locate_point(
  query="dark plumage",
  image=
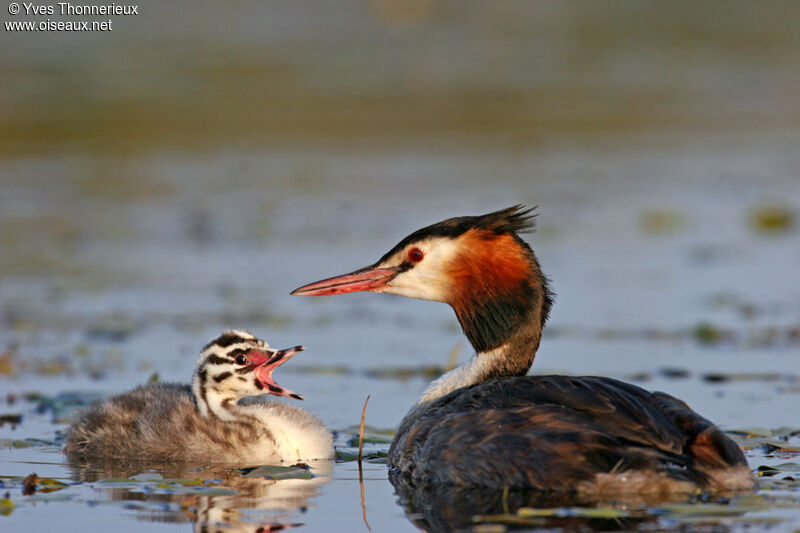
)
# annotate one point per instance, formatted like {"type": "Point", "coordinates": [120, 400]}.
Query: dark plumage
{"type": "Point", "coordinates": [488, 424]}
{"type": "Point", "coordinates": [571, 428]}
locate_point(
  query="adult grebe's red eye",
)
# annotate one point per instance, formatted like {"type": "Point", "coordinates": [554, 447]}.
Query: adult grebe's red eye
{"type": "Point", "coordinates": [415, 255]}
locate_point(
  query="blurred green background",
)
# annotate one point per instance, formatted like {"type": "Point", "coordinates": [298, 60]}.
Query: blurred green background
{"type": "Point", "coordinates": [156, 126]}
{"type": "Point", "coordinates": [199, 75]}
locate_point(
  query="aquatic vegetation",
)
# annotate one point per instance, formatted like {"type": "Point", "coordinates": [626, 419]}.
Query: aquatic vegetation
{"type": "Point", "coordinates": [706, 333]}
{"type": "Point", "coordinates": [661, 221]}
{"type": "Point", "coordinates": [276, 472]}
{"type": "Point", "coordinates": [6, 505]}
{"type": "Point", "coordinates": [772, 219]}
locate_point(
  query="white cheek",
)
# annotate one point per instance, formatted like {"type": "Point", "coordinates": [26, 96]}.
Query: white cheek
{"type": "Point", "coordinates": [417, 283]}
{"type": "Point", "coordinates": [428, 279]}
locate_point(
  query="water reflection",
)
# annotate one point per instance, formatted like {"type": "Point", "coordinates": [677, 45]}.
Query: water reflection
{"type": "Point", "coordinates": [440, 509]}
{"type": "Point", "coordinates": [212, 498]}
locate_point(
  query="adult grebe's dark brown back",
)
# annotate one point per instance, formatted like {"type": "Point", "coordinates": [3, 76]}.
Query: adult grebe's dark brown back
{"type": "Point", "coordinates": [488, 424]}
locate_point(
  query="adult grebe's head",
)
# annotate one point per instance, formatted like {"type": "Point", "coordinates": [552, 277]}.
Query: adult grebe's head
{"type": "Point", "coordinates": [478, 265]}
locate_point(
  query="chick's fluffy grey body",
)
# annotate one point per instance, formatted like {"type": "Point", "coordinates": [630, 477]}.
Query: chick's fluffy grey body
{"type": "Point", "coordinates": [159, 422]}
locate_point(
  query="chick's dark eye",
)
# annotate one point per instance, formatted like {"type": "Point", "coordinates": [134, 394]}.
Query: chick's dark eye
{"type": "Point", "coordinates": [241, 359]}
{"type": "Point", "coordinates": [415, 255]}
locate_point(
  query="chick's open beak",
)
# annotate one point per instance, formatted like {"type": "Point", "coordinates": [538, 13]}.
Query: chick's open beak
{"type": "Point", "coordinates": [263, 372]}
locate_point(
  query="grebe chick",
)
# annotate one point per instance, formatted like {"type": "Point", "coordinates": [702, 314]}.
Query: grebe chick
{"type": "Point", "coordinates": [205, 422]}
{"type": "Point", "coordinates": [488, 424]}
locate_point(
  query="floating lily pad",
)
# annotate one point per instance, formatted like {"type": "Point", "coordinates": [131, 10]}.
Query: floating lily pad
{"type": "Point", "coordinates": [510, 519]}
{"type": "Point", "coordinates": [208, 491]}
{"type": "Point", "coordinates": [167, 483]}
{"type": "Point", "coordinates": [708, 509]}
{"type": "Point", "coordinates": [720, 377]}
{"type": "Point", "coordinates": [147, 476]}
{"type": "Point", "coordinates": [786, 432]}
{"type": "Point", "coordinates": [149, 481]}
{"type": "Point", "coordinates": [749, 432]}
{"type": "Point", "coordinates": [14, 443]}
{"type": "Point", "coordinates": [752, 443]}
{"type": "Point", "coordinates": [121, 481]}
{"type": "Point", "coordinates": [280, 472]}
{"type": "Point", "coordinates": [786, 467]}
{"type": "Point", "coordinates": [346, 455]}
{"type": "Point", "coordinates": [370, 439]}
{"type": "Point", "coordinates": [32, 484]}
{"type": "Point", "coordinates": [774, 447]}
{"type": "Point", "coordinates": [527, 516]}
{"type": "Point", "coordinates": [778, 484]}
{"type": "Point", "coordinates": [192, 486]}
{"type": "Point", "coordinates": [50, 485]}
{"type": "Point", "coordinates": [372, 436]}
{"type": "Point", "coordinates": [581, 512]}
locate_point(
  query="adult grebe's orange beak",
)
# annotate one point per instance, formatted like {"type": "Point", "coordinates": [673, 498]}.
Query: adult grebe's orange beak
{"type": "Point", "coordinates": [371, 279]}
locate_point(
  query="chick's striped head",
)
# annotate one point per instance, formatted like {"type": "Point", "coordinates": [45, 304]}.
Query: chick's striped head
{"type": "Point", "coordinates": [240, 364]}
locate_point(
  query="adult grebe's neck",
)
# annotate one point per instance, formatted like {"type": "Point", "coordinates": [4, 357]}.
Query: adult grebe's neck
{"type": "Point", "coordinates": [514, 358]}
{"type": "Point", "coordinates": [502, 315]}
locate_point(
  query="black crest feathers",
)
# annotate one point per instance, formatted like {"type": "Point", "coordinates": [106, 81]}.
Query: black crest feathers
{"type": "Point", "coordinates": [512, 220]}
{"type": "Point", "coordinates": [515, 219]}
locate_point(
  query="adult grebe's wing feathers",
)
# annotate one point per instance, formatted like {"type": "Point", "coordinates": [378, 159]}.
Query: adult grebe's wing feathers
{"type": "Point", "coordinates": [552, 432]}
{"type": "Point", "coordinates": [613, 403]}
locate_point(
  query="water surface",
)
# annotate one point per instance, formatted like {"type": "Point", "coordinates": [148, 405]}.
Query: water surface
{"type": "Point", "coordinates": [182, 175]}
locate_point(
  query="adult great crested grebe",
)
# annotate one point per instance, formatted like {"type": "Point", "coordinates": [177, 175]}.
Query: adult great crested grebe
{"type": "Point", "coordinates": [486, 423]}
{"type": "Point", "coordinates": [205, 422]}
